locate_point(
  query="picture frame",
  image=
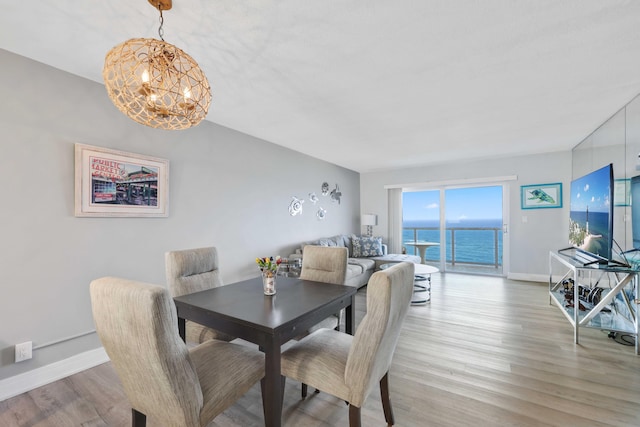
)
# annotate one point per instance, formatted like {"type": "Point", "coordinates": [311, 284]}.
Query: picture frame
{"type": "Point", "coordinates": [622, 192]}
{"type": "Point", "coordinates": [541, 196]}
{"type": "Point", "coordinates": [113, 183]}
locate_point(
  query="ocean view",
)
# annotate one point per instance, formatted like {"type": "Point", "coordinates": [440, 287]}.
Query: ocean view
{"type": "Point", "coordinates": [471, 246]}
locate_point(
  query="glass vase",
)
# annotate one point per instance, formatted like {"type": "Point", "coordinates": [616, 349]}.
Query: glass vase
{"type": "Point", "coordinates": [269, 282]}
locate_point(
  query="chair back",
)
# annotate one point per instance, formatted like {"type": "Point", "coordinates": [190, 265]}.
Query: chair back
{"type": "Point", "coordinates": [192, 270]}
{"type": "Point", "coordinates": [138, 326]}
{"type": "Point", "coordinates": [388, 297]}
{"type": "Point", "coordinates": [324, 264]}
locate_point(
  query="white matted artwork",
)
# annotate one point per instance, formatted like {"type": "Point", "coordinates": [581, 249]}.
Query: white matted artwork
{"type": "Point", "coordinates": [113, 183]}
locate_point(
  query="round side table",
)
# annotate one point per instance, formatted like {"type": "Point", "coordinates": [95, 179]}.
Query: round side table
{"type": "Point", "coordinates": [422, 274]}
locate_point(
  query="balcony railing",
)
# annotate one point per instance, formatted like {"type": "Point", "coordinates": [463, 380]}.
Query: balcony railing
{"type": "Point", "coordinates": [465, 245]}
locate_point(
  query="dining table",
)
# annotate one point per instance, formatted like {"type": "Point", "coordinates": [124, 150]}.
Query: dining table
{"type": "Point", "coordinates": [242, 310]}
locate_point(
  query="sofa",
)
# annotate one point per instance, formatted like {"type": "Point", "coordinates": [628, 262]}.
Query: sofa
{"type": "Point", "coordinates": [366, 255]}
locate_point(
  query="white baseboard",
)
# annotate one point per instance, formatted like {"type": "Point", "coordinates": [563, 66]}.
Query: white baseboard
{"type": "Point", "coordinates": [38, 377]}
{"type": "Point", "coordinates": [544, 278]}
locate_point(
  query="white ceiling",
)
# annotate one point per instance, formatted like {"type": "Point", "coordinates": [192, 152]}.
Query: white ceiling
{"type": "Point", "coordinates": [373, 84]}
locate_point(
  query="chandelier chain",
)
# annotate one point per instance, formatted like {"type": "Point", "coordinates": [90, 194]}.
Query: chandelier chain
{"type": "Point", "coordinates": [160, 29]}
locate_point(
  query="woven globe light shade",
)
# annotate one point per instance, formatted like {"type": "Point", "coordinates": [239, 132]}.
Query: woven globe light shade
{"type": "Point", "coordinates": [156, 84]}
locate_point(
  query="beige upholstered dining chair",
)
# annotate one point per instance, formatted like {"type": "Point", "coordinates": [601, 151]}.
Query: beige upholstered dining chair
{"type": "Point", "coordinates": [349, 366]}
{"type": "Point", "coordinates": [325, 264]}
{"type": "Point", "coordinates": [329, 265]}
{"type": "Point", "coordinates": [179, 386]}
{"type": "Point", "coordinates": [194, 270]}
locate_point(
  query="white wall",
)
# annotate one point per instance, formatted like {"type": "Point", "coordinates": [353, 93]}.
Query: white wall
{"type": "Point", "coordinates": [531, 241]}
{"type": "Point", "coordinates": [227, 189]}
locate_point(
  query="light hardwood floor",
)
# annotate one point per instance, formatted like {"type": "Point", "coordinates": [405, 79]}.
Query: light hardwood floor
{"type": "Point", "coordinates": [485, 352]}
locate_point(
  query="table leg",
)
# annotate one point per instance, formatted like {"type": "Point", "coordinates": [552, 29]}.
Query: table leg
{"type": "Point", "coordinates": [417, 287]}
{"type": "Point", "coordinates": [182, 328]}
{"type": "Point", "coordinates": [272, 385]}
{"type": "Point", "coordinates": [423, 254]}
{"type": "Point", "coordinates": [350, 318]}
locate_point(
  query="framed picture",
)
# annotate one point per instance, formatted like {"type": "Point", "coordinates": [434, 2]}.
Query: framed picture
{"type": "Point", "coordinates": [622, 192]}
{"type": "Point", "coordinates": [111, 183]}
{"type": "Point", "coordinates": [540, 196]}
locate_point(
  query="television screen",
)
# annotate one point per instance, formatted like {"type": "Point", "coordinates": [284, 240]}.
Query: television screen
{"type": "Point", "coordinates": [591, 213]}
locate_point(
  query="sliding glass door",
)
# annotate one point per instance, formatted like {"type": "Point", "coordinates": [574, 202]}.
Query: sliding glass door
{"type": "Point", "coordinates": [466, 222]}
{"type": "Point", "coordinates": [474, 229]}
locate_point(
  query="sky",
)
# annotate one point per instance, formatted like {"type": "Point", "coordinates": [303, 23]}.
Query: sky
{"type": "Point", "coordinates": [461, 204]}
{"type": "Point", "coordinates": [592, 190]}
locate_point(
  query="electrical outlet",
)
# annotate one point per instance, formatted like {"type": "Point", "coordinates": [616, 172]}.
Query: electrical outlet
{"type": "Point", "coordinates": [23, 351]}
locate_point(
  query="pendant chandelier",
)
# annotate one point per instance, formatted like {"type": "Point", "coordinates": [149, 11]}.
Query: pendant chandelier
{"type": "Point", "coordinates": [155, 83]}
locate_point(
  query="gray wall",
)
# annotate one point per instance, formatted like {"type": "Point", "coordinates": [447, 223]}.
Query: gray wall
{"type": "Point", "coordinates": [531, 241]}
{"type": "Point", "coordinates": [227, 189]}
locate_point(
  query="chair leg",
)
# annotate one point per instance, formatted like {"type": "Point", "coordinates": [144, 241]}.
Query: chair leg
{"type": "Point", "coordinates": [354, 416]}
{"type": "Point", "coordinates": [138, 419]}
{"type": "Point", "coordinates": [386, 402]}
{"type": "Point", "coordinates": [283, 381]}
{"type": "Point", "coordinates": [304, 391]}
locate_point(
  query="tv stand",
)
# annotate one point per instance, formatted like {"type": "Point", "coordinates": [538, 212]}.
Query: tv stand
{"type": "Point", "coordinates": [614, 263]}
{"type": "Point", "coordinates": [617, 305]}
{"type": "Point", "coordinates": [631, 250]}
{"type": "Point", "coordinates": [587, 259]}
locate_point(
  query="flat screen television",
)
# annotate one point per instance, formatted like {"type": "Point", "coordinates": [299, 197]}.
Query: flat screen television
{"type": "Point", "coordinates": [591, 215]}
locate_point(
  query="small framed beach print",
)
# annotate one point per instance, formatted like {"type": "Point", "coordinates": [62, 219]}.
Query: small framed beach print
{"type": "Point", "coordinates": [112, 183]}
{"type": "Point", "coordinates": [540, 196]}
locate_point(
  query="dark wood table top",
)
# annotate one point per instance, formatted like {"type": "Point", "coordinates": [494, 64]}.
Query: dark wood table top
{"type": "Point", "coordinates": [243, 303]}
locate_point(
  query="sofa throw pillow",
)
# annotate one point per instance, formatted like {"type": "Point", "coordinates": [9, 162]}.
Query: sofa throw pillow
{"type": "Point", "coordinates": [320, 242]}
{"type": "Point", "coordinates": [346, 239]}
{"type": "Point", "coordinates": [326, 242]}
{"type": "Point", "coordinates": [339, 240]}
{"type": "Point", "coordinates": [366, 246]}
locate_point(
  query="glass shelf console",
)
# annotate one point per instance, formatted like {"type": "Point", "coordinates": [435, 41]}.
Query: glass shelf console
{"type": "Point", "coordinates": [594, 296]}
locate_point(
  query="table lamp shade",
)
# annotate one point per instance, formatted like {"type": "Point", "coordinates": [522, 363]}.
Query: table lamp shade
{"type": "Point", "coordinates": [369, 220]}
